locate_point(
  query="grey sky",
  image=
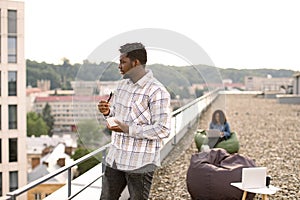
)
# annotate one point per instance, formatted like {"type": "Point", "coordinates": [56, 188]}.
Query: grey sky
{"type": "Point", "coordinates": [234, 33]}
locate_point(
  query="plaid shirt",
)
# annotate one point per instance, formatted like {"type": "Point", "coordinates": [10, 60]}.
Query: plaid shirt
{"type": "Point", "coordinates": [145, 107]}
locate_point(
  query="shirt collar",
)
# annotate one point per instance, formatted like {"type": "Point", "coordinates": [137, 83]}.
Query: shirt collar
{"type": "Point", "coordinates": [142, 82]}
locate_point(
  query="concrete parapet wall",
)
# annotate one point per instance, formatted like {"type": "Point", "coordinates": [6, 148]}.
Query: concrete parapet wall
{"type": "Point", "coordinates": [288, 99]}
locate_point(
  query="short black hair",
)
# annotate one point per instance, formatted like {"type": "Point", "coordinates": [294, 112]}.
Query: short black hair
{"type": "Point", "coordinates": [135, 51]}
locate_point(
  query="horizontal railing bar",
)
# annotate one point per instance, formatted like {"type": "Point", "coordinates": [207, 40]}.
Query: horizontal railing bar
{"type": "Point", "coordinates": [55, 173]}
{"type": "Point", "coordinates": [86, 186]}
{"type": "Point", "coordinates": [82, 185]}
{"type": "Point", "coordinates": [5, 198]}
{"type": "Point", "coordinates": [181, 109]}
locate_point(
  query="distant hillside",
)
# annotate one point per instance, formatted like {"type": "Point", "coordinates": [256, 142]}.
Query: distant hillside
{"type": "Point", "coordinates": [237, 75]}
{"type": "Point", "coordinates": [171, 76]}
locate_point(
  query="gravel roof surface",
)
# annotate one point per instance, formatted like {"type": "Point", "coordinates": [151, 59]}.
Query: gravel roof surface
{"type": "Point", "coordinates": [268, 132]}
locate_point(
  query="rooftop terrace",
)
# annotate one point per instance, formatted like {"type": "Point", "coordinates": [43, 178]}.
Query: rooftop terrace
{"type": "Point", "coordinates": [268, 132]}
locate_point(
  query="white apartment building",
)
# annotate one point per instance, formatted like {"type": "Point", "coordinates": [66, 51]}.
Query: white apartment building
{"type": "Point", "coordinates": [90, 87]}
{"type": "Point", "coordinates": [69, 110]}
{"type": "Point", "coordinates": [13, 162]}
{"type": "Point", "coordinates": [296, 84]}
{"type": "Point", "coordinates": [254, 83]}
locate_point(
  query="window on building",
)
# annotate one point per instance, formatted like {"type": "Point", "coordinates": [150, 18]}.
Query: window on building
{"type": "Point", "coordinates": [0, 71]}
{"type": "Point", "coordinates": [13, 149]}
{"type": "Point", "coordinates": [37, 196]}
{"type": "Point", "coordinates": [0, 118]}
{"type": "Point", "coordinates": [0, 184]}
{"type": "Point", "coordinates": [12, 49]}
{"type": "Point", "coordinates": [12, 116]}
{"type": "Point", "coordinates": [0, 153]}
{"type": "Point", "coordinates": [12, 36]}
{"type": "Point", "coordinates": [12, 21]}
{"type": "Point", "coordinates": [12, 83]}
{"type": "Point", "coordinates": [0, 40]}
{"type": "Point", "coordinates": [13, 180]}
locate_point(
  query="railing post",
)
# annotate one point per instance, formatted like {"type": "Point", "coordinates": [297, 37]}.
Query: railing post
{"type": "Point", "coordinates": [103, 160]}
{"type": "Point", "coordinates": [14, 194]}
{"type": "Point", "coordinates": [174, 138]}
{"type": "Point", "coordinates": [9, 197]}
{"type": "Point", "coordinates": [69, 181]}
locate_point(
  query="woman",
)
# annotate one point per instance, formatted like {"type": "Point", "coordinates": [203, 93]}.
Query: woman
{"type": "Point", "coordinates": [220, 123]}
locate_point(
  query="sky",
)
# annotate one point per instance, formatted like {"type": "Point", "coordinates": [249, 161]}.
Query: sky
{"type": "Point", "coordinates": [234, 34]}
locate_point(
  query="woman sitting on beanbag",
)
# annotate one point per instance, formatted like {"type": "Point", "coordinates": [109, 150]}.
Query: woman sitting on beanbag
{"type": "Point", "coordinates": [220, 123]}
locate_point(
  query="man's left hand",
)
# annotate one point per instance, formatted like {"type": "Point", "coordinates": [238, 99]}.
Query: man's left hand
{"type": "Point", "coordinates": [122, 127]}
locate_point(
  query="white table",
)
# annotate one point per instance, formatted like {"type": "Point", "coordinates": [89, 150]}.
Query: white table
{"type": "Point", "coordinates": [264, 191]}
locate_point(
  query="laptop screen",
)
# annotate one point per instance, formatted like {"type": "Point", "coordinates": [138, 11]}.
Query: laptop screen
{"type": "Point", "coordinates": [213, 133]}
{"type": "Point", "coordinates": [254, 177]}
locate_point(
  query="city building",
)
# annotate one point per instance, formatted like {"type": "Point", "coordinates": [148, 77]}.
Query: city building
{"type": "Point", "coordinates": [94, 87]}
{"type": "Point", "coordinates": [227, 84]}
{"type": "Point", "coordinates": [49, 162]}
{"type": "Point", "coordinates": [293, 95]}
{"type": "Point", "coordinates": [13, 162]}
{"type": "Point", "coordinates": [266, 84]}
{"type": "Point", "coordinates": [296, 85]}
{"type": "Point", "coordinates": [32, 93]}
{"type": "Point", "coordinates": [37, 147]}
{"type": "Point", "coordinates": [44, 85]}
{"type": "Point", "coordinates": [69, 110]}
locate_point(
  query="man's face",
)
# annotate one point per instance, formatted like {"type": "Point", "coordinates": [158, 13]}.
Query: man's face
{"type": "Point", "coordinates": [125, 64]}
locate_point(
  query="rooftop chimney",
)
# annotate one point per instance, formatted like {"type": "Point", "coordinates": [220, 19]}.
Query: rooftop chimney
{"type": "Point", "coordinates": [61, 162]}
{"type": "Point", "coordinates": [35, 161]}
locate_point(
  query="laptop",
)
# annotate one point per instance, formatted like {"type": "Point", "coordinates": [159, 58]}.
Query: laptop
{"type": "Point", "coordinates": [213, 136]}
{"type": "Point", "coordinates": [254, 177]}
{"type": "Point", "coordinates": [212, 133]}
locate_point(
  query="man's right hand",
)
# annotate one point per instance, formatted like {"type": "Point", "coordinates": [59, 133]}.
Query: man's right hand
{"type": "Point", "coordinates": [103, 107]}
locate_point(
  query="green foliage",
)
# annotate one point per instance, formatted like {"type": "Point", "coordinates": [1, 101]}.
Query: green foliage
{"type": "Point", "coordinates": [59, 75]}
{"type": "Point", "coordinates": [42, 71]}
{"type": "Point", "coordinates": [36, 125]}
{"type": "Point", "coordinates": [104, 72]}
{"type": "Point", "coordinates": [199, 92]}
{"type": "Point", "coordinates": [91, 134]}
{"type": "Point", "coordinates": [111, 72]}
{"type": "Point", "coordinates": [88, 164]}
{"type": "Point", "coordinates": [48, 118]}
{"type": "Point", "coordinates": [175, 79]}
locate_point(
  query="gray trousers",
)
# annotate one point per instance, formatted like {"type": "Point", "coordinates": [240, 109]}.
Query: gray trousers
{"type": "Point", "coordinates": [114, 181]}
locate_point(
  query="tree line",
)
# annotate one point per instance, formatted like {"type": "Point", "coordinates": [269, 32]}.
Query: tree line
{"type": "Point", "coordinates": [61, 75]}
{"type": "Point", "coordinates": [176, 79]}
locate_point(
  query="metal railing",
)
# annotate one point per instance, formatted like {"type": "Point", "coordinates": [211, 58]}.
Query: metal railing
{"type": "Point", "coordinates": [181, 119]}
{"type": "Point", "coordinates": [14, 194]}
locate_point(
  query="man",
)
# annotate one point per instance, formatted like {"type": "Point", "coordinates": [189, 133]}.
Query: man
{"type": "Point", "coordinates": [141, 107]}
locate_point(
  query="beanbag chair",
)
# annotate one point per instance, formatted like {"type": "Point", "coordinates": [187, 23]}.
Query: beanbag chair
{"type": "Point", "coordinates": [231, 145]}
{"type": "Point", "coordinates": [210, 174]}
{"type": "Point", "coordinates": [200, 138]}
